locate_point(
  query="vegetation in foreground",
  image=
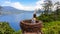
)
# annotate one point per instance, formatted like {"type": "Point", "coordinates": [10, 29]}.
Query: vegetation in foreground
{"type": "Point", "coordinates": [51, 19]}
{"type": "Point", "coordinates": [6, 29]}
{"type": "Point", "coordinates": [51, 27]}
{"type": "Point", "coordinates": [48, 28]}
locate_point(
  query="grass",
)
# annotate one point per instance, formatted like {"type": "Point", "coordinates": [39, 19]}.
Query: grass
{"type": "Point", "coordinates": [51, 27]}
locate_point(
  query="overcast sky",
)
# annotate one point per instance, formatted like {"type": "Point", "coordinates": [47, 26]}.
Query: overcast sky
{"type": "Point", "coordinates": [24, 4]}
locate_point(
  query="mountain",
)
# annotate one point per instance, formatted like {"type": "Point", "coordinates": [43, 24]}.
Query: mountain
{"type": "Point", "coordinates": [12, 10]}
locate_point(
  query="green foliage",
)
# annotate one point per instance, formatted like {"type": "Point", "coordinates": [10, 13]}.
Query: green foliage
{"type": "Point", "coordinates": [54, 16]}
{"type": "Point", "coordinates": [18, 32]}
{"type": "Point", "coordinates": [6, 29]}
{"type": "Point", "coordinates": [51, 27]}
{"type": "Point", "coordinates": [51, 23]}
{"type": "Point", "coordinates": [46, 18]}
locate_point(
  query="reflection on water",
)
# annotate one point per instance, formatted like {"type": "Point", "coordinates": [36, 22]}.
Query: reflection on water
{"type": "Point", "coordinates": [15, 19]}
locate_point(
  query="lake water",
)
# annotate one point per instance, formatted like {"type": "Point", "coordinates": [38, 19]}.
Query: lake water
{"type": "Point", "coordinates": [14, 19]}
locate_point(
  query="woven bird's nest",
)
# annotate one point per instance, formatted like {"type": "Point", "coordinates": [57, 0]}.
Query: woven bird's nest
{"type": "Point", "coordinates": [28, 26]}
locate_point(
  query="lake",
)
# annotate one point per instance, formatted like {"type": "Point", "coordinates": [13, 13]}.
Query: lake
{"type": "Point", "coordinates": [14, 19]}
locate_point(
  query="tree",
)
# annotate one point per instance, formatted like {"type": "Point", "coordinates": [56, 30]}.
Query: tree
{"type": "Point", "coordinates": [47, 6]}
{"type": "Point", "coordinates": [57, 12]}
{"type": "Point", "coordinates": [57, 8]}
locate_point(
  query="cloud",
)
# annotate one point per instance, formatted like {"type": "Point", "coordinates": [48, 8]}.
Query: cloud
{"type": "Point", "coordinates": [39, 4]}
{"type": "Point", "coordinates": [54, 7]}
{"type": "Point", "coordinates": [55, 1]}
{"type": "Point", "coordinates": [6, 3]}
{"type": "Point", "coordinates": [20, 6]}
